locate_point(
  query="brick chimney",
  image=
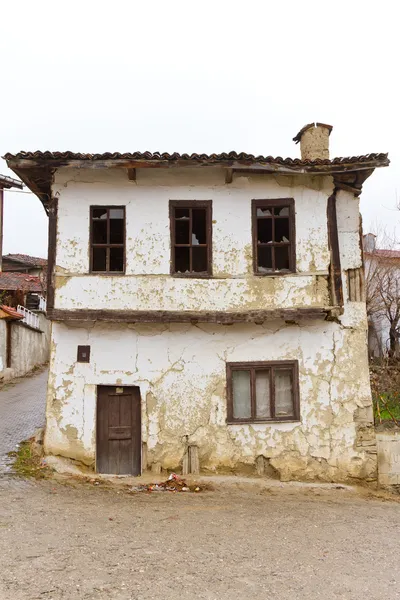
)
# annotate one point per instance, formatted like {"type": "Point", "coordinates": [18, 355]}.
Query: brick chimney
{"type": "Point", "coordinates": [314, 141]}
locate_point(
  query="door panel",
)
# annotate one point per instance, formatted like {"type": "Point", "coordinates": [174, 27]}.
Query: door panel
{"type": "Point", "coordinates": [118, 430]}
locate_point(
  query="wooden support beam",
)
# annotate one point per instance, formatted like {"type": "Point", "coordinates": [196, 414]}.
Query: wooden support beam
{"type": "Point", "coordinates": [131, 174]}
{"type": "Point", "coordinates": [228, 175]}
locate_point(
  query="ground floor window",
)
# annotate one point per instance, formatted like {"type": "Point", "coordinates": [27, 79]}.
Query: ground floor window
{"type": "Point", "coordinates": [262, 391]}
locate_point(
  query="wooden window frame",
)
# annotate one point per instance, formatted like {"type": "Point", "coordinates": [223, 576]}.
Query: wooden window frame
{"type": "Point", "coordinates": [260, 366]}
{"type": "Point", "coordinates": [190, 204]}
{"type": "Point", "coordinates": [274, 203]}
{"type": "Point", "coordinates": [79, 355]}
{"type": "Point", "coordinates": [107, 207]}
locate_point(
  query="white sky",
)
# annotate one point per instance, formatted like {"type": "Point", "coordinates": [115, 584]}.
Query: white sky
{"type": "Point", "coordinates": [209, 76]}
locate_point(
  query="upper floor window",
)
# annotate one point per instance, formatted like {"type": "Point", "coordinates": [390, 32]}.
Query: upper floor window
{"type": "Point", "coordinates": [273, 236]}
{"type": "Point", "coordinates": [263, 391]}
{"type": "Point", "coordinates": [107, 239]}
{"type": "Point", "coordinates": [191, 232]}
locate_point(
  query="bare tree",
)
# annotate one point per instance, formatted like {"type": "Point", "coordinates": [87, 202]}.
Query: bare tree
{"type": "Point", "coordinates": [382, 277]}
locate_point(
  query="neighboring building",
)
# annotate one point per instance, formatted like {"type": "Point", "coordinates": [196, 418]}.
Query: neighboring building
{"type": "Point", "coordinates": [208, 309]}
{"type": "Point", "coordinates": [382, 274]}
{"type": "Point", "coordinates": [24, 328]}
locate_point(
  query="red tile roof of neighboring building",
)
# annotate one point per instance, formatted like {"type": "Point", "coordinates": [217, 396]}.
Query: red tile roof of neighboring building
{"type": "Point", "coordinates": [32, 261]}
{"type": "Point", "coordinates": [11, 311]}
{"type": "Point", "coordinates": [382, 253]}
{"type": "Point", "coordinates": [20, 281]}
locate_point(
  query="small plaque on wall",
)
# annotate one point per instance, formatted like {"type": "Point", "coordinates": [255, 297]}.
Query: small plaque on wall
{"type": "Point", "coordinates": [83, 354]}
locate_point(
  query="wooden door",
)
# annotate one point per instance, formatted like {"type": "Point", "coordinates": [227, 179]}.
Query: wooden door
{"type": "Point", "coordinates": [118, 430]}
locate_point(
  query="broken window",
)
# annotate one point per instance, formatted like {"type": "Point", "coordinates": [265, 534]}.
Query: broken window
{"type": "Point", "coordinates": [107, 239]}
{"type": "Point", "coordinates": [265, 391]}
{"type": "Point", "coordinates": [191, 237]}
{"type": "Point", "coordinates": [273, 236]}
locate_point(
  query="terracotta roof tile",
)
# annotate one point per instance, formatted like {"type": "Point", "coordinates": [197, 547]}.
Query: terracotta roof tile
{"type": "Point", "coordinates": [20, 281]}
{"type": "Point", "coordinates": [32, 261]}
{"type": "Point", "coordinates": [211, 158]}
{"type": "Point", "coordinates": [11, 311]}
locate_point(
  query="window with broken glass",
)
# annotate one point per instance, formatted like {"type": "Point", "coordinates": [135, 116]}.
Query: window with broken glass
{"type": "Point", "coordinates": [107, 239]}
{"type": "Point", "coordinates": [191, 233]}
{"type": "Point", "coordinates": [262, 391]}
{"type": "Point", "coordinates": [274, 236]}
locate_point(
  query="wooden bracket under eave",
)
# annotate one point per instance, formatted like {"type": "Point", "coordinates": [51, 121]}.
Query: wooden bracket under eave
{"type": "Point", "coordinates": [131, 174]}
{"type": "Point", "coordinates": [228, 175]}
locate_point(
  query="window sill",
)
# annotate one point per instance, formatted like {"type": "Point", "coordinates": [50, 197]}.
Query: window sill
{"type": "Point", "coordinates": [192, 275]}
{"type": "Point", "coordinates": [264, 422]}
{"type": "Point", "coordinates": [275, 274]}
{"type": "Point", "coordinates": [107, 273]}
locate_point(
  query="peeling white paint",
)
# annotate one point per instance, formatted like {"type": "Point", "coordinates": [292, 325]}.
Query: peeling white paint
{"type": "Point", "coordinates": [179, 368]}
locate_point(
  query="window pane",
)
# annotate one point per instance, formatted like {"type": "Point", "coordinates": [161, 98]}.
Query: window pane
{"type": "Point", "coordinates": [182, 213]}
{"type": "Point", "coordinates": [281, 257]}
{"type": "Point", "coordinates": [116, 259]}
{"type": "Point", "coordinates": [116, 213]}
{"type": "Point", "coordinates": [264, 231]}
{"type": "Point", "coordinates": [281, 211]}
{"type": "Point", "coordinates": [241, 394]}
{"type": "Point", "coordinates": [263, 400]}
{"type": "Point", "coordinates": [182, 260]}
{"type": "Point", "coordinates": [283, 393]}
{"type": "Point", "coordinates": [182, 231]}
{"type": "Point", "coordinates": [264, 259]}
{"type": "Point", "coordinates": [99, 259]}
{"type": "Point", "coordinates": [264, 212]}
{"type": "Point", "coordinates": [117, 227]}
{"type": "Point", "coordinates": [199, 226]}
{"type": "Point", "coordinates": [99, 232]}
{"type": "Point", "coordinates": [199, 259]}
{"type": "Point", "coordinates": [282, 230]}
{"type": "Point", "coordinates": [99, 213]}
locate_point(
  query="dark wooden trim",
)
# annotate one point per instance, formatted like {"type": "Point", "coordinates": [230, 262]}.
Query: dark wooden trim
{"type": "Point", "coordinates": [253, 367]}
{"type": "Point", "coordinates": [190, 204]}
{"type": "Point", "coordinates": [131, 174]}
{"type": "Point", "coordinates": [52, 253]}
{"type": "Point", "coordinates": [8, 344]}
{"type": "Point", "coordinates": [335, 271]}
{"type": "Point", "coordinates": [165, 316]}
{"type": "Point", "coordinates": [228, 175]}
{"type": "Point", "coordinates": [107, 246]}
{"type": "Point", "coordinates": [81, 351]}
{"type": "Point", "coordinates": [273, 203]}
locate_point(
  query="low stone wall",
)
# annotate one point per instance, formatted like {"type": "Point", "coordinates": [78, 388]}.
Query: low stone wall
{"type": "Point", "coordinates": [388, 444]}
{"type": "Point", "coordinates": [29, 347]}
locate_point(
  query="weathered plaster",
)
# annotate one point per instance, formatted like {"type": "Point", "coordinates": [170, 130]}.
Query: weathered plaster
{"type": "Point", "coordinates": [180, 369]}
{"type": "Point", "coordinates": [29, 348]}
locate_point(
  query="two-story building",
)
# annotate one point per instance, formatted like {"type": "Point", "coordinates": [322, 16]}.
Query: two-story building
{"type": "Point", "coordinates": [207, 309]}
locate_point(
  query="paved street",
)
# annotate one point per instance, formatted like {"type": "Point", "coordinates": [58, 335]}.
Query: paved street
{"type": "Point", "coordinates": [22, 409]}
{"type": "Point", "coordinates": [79, 541]}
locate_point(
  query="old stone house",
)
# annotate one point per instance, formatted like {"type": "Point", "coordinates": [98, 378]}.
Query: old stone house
{"type": "Point", "coordinates": [207, 309]}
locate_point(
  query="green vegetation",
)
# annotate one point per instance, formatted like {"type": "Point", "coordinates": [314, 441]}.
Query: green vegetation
{"type": "Point", "coordinates": [27, 463]}
{"type": "Point", "coordinates": [387, 407]}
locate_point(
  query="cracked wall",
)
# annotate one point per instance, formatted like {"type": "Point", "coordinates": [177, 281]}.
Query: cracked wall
{"type": "Point", "coordinates": [147, 283]}
{"type": "Point", "coordinates": [180, 369]}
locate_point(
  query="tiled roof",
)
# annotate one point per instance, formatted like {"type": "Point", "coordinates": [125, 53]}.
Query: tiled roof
{"type": "Point", "coordinates": [209, 158]}
{"type": "Point", "coordinates": [20, 281]}
{"type": "Point", "coordinates": [11, 311]}
{"type": "Point", "coordinates": [32, 261]}
{"type": "Point", "coordinates": [382, 253]}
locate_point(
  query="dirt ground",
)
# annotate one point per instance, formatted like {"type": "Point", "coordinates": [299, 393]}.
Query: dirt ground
{"type": "Point", "coordinates": [60, 541]}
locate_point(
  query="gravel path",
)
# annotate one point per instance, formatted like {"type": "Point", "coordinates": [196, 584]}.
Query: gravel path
{"type": "Point", "coordinates": [84, 542]}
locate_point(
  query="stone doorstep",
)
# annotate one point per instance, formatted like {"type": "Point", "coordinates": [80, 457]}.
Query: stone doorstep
{"type": "Point", "coordinates": [67, 467]}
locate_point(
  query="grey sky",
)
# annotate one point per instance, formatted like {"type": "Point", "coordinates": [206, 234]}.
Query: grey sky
{"type": "Point", "coordinates": [210, 76]}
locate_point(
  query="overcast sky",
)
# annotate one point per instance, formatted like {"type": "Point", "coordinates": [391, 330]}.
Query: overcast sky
{"type": "Point", "coordinates": [209, 76]}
